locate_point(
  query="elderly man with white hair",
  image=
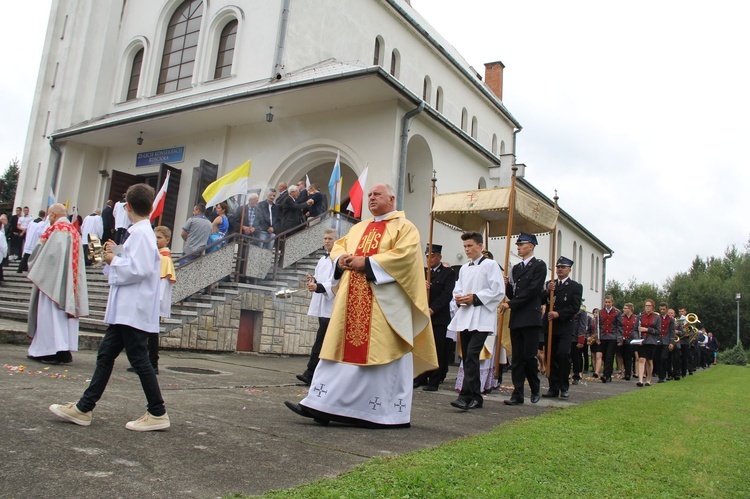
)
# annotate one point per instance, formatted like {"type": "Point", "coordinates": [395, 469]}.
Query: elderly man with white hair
{"type": "Point", "coordinates": [59, 295]}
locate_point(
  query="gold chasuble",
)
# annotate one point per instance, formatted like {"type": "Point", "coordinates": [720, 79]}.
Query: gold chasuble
{"type": "Point", "coordinates": [376, 324]}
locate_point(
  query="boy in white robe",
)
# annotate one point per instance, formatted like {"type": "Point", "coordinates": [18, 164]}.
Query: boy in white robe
{"type": "Point", "coordinates": [133, 271]}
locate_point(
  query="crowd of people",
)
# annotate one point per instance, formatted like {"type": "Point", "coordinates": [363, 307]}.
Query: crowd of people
{"type": "Point", "coordinates": [386, 325]}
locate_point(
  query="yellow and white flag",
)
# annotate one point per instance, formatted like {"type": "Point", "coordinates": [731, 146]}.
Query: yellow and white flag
{"type": "Point", "coordinates": [231, 184]}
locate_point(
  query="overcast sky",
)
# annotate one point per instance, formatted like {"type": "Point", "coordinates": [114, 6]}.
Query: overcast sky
{"type": "Point", "coordinates": [636, 112]}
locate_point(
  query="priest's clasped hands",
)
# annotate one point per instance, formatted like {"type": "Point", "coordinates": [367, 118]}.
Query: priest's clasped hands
{"type": "Point", "coordinates": [351, 262]}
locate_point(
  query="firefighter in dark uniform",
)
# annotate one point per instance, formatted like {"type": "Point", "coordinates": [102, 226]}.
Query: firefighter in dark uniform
{"type": "Point", "coordinates": [440, 289]}
{"type": "Point", "coordinates": [563, 315]}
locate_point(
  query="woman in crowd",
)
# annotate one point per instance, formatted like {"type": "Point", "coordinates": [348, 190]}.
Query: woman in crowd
{"type": "Point", "coordinates": [648, 330]}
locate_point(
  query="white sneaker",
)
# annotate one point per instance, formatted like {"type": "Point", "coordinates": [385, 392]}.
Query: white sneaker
{"type": "Point", "coordinates": [149, 422]}
{"type": "Point", "coordinates": [71, 413]}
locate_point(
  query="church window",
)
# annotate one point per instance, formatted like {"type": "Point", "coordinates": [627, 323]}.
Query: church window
{"type": "Point", "coordinates": [180, 47]}
{"type": "Point", "coordinates": [226, 50]}
{"type": "Point", "coordinates": [135, 75]}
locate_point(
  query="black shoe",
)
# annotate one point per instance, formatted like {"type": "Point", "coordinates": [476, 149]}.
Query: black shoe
{"type": "Point", "coordinates": [535, 398]}
{"type": "Point", "coordinates": [474, 404]}
{"type": "Point", "coordinates": [305, 378]}
{"type": "Point", "coordinates": [595, 376]}
{"type": "Point", "coordinates": [575, 381]}
{"type": "Point", "coordinates": [417, 384]}
{"type": "Point", "coordinates": [548, 395]}
{"type": "Point", "coordinates": [626, 378]}
{"type": "Point", "coordinates": [298, 409]}
{"type": "Point", "coordinates": [661, 380]}
{"type": "Point", "coordinates": [513, 401]}
{"type": "Point", "coordinates": [603, 379]}
{"type": "Point", "coordinates": [322, 422]}
{"type": "Point", "coordinates": [639, 383]}
{"type": "Point", "coordinates": [461, 404]}
{"type": "Point", "coordinates": [429, 388]}
{"type": "Point", "coordinates": [52, 362]}
{"type": "Point", "coordinates": [564, 394]}
{"type": "Point", "coordinates": [677, 378]}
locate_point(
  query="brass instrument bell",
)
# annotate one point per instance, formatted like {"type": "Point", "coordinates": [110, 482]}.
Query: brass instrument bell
{"type": "Point", "coordinates": [96, 250]}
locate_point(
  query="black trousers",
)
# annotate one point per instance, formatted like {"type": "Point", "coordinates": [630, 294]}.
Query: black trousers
{"type": "Point", "coordinates": [609, 347]}
{"type": "Point", "coordinates": [434, 378]}
{"type": "Point", "coordinates": [523, 364]}
{"type": "Point", "coordinates": [317, 345]}
{"type": "Point", "coordinates": [661, 361]}
{"type": "Point", "coordinates": [560, 369]}
{"type": "Point", "coordinates": [24, 265]}
{"type": "Point", "coordinates": [576, 357]}
{"type": "Point", "coordinates": [628, 358]}
{"type": "Point", "coordinates": [685, 359]}
{"type": "Point", "coordinates": [472, 343]}
{"type": "Point", "coordinates": [675, 364]}
{"type": "Point", "coordinates": [134, 342]}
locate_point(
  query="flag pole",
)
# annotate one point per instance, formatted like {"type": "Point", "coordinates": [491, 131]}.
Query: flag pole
{"type": "Point", "coordinates": [432, 223]}
{"type": "Point", "coordinates": [511, 213]}
{"type": "Point", "coordinates": [548, 360]}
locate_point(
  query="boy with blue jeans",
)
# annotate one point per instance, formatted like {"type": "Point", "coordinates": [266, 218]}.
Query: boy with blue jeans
{"type": "Point", "coordinates": [132, 314]}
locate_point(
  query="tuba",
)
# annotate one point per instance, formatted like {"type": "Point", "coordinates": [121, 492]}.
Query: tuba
{"type": "Point", "coordinates": [690, 329]}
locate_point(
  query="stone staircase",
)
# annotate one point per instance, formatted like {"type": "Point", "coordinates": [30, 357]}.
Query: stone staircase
{"type": "Point", "coordinates": [16, 288]}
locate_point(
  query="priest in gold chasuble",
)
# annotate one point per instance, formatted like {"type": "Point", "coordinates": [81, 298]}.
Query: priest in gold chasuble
{"type": "Point", "coordinates": [380, 335]}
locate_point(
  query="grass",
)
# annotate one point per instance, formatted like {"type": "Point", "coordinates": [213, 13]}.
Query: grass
{"type": "Point", "coordinates": [684, 439]}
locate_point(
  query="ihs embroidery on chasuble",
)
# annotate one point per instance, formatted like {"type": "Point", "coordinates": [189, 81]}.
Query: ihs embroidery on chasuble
{"type": "Point", "coordinates": [359, 299]}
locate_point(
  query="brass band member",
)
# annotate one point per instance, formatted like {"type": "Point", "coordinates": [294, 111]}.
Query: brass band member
{"type": "Point", "coordinates": [649, 330]}
{"type": "Point", "coordinates": [610, 335]}
{"type": "Point", "coordinates": [629, 320]}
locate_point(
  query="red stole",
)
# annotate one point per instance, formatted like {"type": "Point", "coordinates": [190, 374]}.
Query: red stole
{"type": "Point", "coordinates": [359, 299]}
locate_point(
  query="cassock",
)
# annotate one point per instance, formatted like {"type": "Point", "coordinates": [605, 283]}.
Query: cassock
{"type": "Point", "coordinates": [380, 335]}
{"type": "Point", "coordinates": [59, 294]}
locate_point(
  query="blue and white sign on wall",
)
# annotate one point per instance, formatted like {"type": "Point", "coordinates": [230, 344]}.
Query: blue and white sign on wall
{"type": "Point", "coordinates": [154, 158]}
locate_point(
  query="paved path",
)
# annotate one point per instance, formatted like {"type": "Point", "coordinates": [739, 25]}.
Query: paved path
{"type": "Point", "coordinates": [230, 431]}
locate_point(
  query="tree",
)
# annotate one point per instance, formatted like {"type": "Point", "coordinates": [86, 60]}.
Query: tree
{"type": "Point", "coordinates": [10, 180]}
{"type": "Point", "coordinates": [635, 292]}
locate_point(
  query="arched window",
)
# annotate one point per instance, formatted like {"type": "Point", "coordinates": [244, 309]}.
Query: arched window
{"type": "Point", "coordinates": [494, 143]}
{"type": "Point", "coordinates": [559, 246]}
{"type": "Point", "coordinates": [395, 63]}
{"type": "Point", "coordinates": [573, 256]}
{"type": "Point", "coordinates": [439, 99]}
{"type": "Point", "coordinates": [591, 280]}
{"type": "Point", "coordinates": [502, 147]}
{"type": "Point", "coordinates": [426, 89]}
{"type": "Point", "coordinates": [596, 277]}
{"type": "Point", "coordinates": [464, 119]}
{"type": "Point", "coordinates": [377, 58]}
{"type": "Point", "coordinates": [580, 264]}
{"type": "Point", "coordinates": [180, 47]}
{"type": "Point", "coordinates": [135, 75]}
{"type": "Point", "coordinates": [474, 127]}
{"type": "Point", "coordinates": [482, 184]}
{"type": "Point", "coordinates": [225, 56]}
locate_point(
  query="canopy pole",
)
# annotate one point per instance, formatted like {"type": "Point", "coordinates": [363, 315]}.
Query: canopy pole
{"type": "Point", "coordinates": [548, 361]}
{"type": "Point", "coordinates": [500, 316]}
{"type": "Point", "coordinates": [432, 223]}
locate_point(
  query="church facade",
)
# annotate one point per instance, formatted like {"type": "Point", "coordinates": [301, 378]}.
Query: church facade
{"type": "Point", "coordinates": [130, 90]}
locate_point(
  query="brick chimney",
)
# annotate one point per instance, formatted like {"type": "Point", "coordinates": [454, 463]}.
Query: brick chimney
{"type": "Point", "coordinates": [493, 77]}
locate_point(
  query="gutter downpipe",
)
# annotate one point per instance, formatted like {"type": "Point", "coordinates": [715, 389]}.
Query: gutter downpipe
{"type": "Point", "coordinates": [604, 275]}
{"type": "Point", "coordinates": [402, 160]}
{"type": "Point", "coordinates": [55, 165]}
{"type": "Point", "coordinates": [278, 64]}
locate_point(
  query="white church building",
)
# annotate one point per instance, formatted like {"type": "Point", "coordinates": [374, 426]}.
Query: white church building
{"type": "Point", "coordinates": [129, 90]}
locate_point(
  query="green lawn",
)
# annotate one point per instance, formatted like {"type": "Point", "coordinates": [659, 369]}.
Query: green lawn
{"type": "Point", "coordinates": [685, 439]}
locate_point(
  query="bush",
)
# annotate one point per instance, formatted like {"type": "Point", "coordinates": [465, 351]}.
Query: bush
{"type": "Point", "coordinates": [735, 356]}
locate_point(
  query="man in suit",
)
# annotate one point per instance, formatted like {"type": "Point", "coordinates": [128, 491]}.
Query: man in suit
{"type": "Point", "coordinates": [281, 193]}
{"type": "Point", "coordinates": [524, 291]}
{"type": "Point", "coordinates": [564, 317]}
{"type": "Point", "coordinates": [291, 209]}
{"type": "Point", "coordinates": [303, 194]}
{"type": "Point", "coordinates": [267, 219]}
{"type": "Point", "coordinates": [108, 221]}
{"type": "Point", "coordinates": [440, 291]}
